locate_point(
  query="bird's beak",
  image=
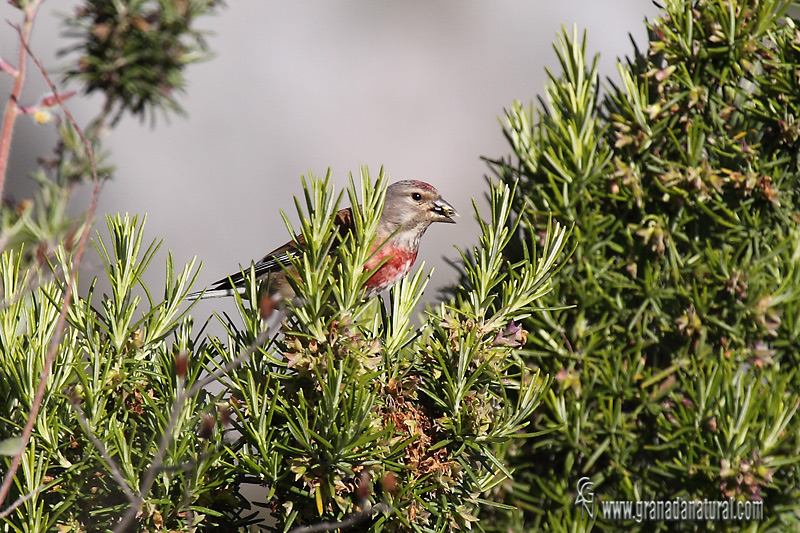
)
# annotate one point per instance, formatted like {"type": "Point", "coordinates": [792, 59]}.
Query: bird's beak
{"type": "Point", "coordinates": [443, 212]}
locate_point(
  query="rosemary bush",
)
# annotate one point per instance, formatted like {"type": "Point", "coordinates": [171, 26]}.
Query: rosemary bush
{"type": "Point", "coordinates": [352, 413]}
{"type": "Point", "coordinates": [352, 391]}
{"type": "Point", "coordinates": [673, 336]}
{"type": "Point", "coordinates": [355, 391]}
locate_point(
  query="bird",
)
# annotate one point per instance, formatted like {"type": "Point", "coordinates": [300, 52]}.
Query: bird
{"type": "Point", "coordinates": [410, 207]}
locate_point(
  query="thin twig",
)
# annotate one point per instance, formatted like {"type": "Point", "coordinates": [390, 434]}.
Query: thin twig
{"type": "Point", "coordinates": [12, 107]}
{"type": "Point", "coordinates": [61, 323]}
{"type": "Point", "coordinates": [158, 460]}
{"type": "Point", "coordinates": [22, 499]}
{"type": "Point", "coordinates": [86, 144]}
{"type": "Point", "coordinates": [233, 363]}
{"type": "Point", "coordinates": [351, 520]}
{"type": "Point", "coordinates": [116, 473]}
{"type": "Point", "coordinates": [166, 437]}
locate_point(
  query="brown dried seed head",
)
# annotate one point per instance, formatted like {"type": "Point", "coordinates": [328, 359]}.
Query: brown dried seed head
{"type": "Point", "coordinates": [207, 427]}
{"type": "Point", "coordinates": [389, 482]}
{"type": "Point", "coordinates": [182, 364]}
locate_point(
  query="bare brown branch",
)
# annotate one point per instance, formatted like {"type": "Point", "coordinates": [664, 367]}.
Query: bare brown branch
{"type": "Point", "coordinates": [61, 323]}
{"type": "Point", "coordinates": [12, 107]}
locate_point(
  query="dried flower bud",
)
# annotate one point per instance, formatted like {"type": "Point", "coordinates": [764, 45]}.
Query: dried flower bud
{"type": "Point", "coordinates": [207, 427]}
{"type": "Point", "coordinates": [182, 364]}
{"type": "Point", "coordinates": [389, 482]}
{"type": "Point", "coordinates": [235, 402]}
{"type": "Point", "coordinates": [23, 206]}
{"type": "Point", "coordinates": [50, 100]}
{"type": "Point", "coordinates": [101, 32]}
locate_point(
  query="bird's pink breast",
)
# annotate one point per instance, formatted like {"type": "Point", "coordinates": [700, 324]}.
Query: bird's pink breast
{"type": "Point", "coordinates": [397, 265]}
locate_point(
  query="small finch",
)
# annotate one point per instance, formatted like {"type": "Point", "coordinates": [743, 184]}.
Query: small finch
{"type": "Point", "coordinates": [410, 207]}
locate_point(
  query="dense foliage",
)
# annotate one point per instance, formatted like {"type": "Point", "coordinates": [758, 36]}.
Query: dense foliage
{"type": "Point", "coordinates": [349, 392]}
{"type": "Point", "coordinates": [660, 363]}
{"type": "Point", "coordinates": [675, 361]}
{"type": "Point", "coordinates": [345, 411]}
{"type": "Point", "coordinates": [135, 53]}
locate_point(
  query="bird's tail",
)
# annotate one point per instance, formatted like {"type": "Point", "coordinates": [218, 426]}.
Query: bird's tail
{"type": "Point", "coordinates": [215, 292]}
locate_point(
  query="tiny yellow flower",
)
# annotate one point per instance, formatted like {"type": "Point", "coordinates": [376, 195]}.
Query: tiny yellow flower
{"type": "Point", "coordinates": [42, 116]}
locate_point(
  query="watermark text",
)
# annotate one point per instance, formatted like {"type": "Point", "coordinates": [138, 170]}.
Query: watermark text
{"type": "Point", "coordinates": [677, 509]}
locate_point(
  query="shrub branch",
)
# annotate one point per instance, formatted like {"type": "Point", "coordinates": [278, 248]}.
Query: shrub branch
{"type": "Point", "coordinates": [70, 286]}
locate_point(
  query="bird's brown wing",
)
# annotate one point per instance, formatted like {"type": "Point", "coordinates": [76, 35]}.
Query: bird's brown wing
{"type": "Point", "coordinates": [271, 263]}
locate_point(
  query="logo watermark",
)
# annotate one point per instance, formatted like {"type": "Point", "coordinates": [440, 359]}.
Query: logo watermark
{"type": "Point", "coordinates": [585, 497]}
{"type": "Point", "coordinates": [676, 509]}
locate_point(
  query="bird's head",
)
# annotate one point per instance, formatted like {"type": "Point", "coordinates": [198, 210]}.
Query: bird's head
{"type": "Point", "coordinates": [415, 205]}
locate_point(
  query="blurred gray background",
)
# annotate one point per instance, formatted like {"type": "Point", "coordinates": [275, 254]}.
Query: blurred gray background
{"type": "Point", "coordinates": [297, 87]}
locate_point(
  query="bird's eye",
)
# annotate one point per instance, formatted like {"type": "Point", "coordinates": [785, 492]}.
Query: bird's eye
{"type": "Point", "coordinates": [416, 196]}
